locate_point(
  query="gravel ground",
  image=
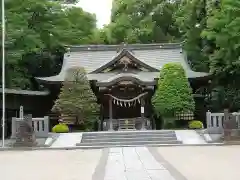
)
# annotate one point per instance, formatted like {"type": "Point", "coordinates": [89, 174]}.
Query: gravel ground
{"type": "Point", "coordinates": [48, 165]}
{"type": "Point", "coordinates": [204, 163]}
{"type": "Point", "coordinates": [191, 162]}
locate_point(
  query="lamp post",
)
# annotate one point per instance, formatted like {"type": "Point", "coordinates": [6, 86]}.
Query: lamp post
{"type": "Point", "coordinates": [3, 73]}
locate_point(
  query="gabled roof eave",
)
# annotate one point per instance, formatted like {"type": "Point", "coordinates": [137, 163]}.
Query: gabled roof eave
{"type": "Point", "coordinates": [124, 52]}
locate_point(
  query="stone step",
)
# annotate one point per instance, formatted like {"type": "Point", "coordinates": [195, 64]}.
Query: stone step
{"type": "Point", "coordinates": [129, 120]}
{"type": "Point", "coordinates": [109, 136]}
{"type": "Point", "coordinates": [122, 139]}
{"type": "Point", "coordinates": [114, 146]}
{"type": "Point", "coordinates": [126, 127]}
{"type": "Point", "coordinates": [132, 143]}
{"type": "Point", "coordinates": [113, 133]}
{"type": "Point", "coordinates": [128, 130]}
{"type": "Point", "coordinates": [129, 136]}
{"type": "Point", "coordinates": [126, 124]}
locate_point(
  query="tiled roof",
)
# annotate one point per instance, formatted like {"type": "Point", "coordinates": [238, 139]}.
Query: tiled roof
{"type": "Point", "coordinates": [24, 92]}
{"type": "Point", "coordinates": [91, 57]}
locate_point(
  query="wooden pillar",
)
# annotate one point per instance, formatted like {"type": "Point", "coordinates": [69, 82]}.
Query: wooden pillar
{"type": "Point", "coordinates": [142, 113]}
{"type": "Point", "coordinates": [110, 115]}
{"type": "Point", "coordinates": [100, 125]}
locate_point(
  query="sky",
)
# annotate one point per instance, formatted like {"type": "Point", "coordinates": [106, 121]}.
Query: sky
{"type": "Point", "coordinates": [102, 9]}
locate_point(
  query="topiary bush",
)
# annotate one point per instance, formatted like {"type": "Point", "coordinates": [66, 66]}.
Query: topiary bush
{"type": "Point", "coordinates": [60, 128]}
{"type": "Point", "coordinates": [195, 125]}
{"type": "Point", "coordinates": [173, 94]}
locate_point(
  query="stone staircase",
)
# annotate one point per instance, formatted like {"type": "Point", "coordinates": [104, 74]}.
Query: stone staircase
{"type": "Point", "coordinates": [128, 138]}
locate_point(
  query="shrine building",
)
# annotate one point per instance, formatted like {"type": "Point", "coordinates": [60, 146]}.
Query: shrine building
{"type": "Point", "coordinates": [124, 78]}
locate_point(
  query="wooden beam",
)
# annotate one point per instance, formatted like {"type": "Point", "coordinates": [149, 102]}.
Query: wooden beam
{"type": "Point", "coordinates": [110, 115]}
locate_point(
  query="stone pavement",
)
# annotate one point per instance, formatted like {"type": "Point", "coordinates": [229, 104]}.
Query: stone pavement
{"type": "Point", "coordinates": [67, 140]}
{"type": "Point", "coordinates": [189, 137]}
{"type": "Point", "coordinates": [125, 163]}
{"type": "Point", "coordinates": [71, 139]}
{"type": "Point", "coordinates": [204, 163]}
{"type": "Point", "coordinates": [131, 163]}
{"type": "Point", "coordinates": [48, 165]}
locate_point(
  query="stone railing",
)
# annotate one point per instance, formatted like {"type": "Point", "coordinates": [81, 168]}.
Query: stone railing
{"type": "Point", "coordinates": [216, 120]}
{"type": "Point", "coordinates": [220, 123]}
{"type": "Point", "coordinates": [40, 126]}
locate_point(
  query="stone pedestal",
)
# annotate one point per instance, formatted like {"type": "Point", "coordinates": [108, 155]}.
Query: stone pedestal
{"type": "Point", "coordinates": [25, 136]}
{"type": "Point", "coordinates": [231, 131]}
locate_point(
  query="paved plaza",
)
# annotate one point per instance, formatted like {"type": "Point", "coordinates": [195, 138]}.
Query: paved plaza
{"type": "Point", "coordinates": [48, 165]}
{"type": "Point", "coordinates": [204, 163]}
{"type": "Point", "coordinates": [129, 163]}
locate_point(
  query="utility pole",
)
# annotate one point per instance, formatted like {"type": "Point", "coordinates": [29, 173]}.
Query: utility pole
{"type": "Point", "coordinates": [3, 73]}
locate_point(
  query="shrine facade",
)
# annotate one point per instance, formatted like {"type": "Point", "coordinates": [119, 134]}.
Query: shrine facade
{"type": "Point", "coordinates": [124, 79]}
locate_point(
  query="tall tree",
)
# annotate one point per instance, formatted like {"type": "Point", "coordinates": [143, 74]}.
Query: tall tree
{"type": "Point", "coordinates": [223, 29]}
{"type": "Point", "coordinates": [191, 18]}
{"type": "Point", "coordinates": [76, 97]}
{"type": "Point", "coordinates": [143, 21]}
{"type": "Point", "coordinates": [36, 32]}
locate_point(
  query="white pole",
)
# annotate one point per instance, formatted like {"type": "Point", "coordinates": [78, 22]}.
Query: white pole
{"type": "Point", "coordinates": [3, 73]}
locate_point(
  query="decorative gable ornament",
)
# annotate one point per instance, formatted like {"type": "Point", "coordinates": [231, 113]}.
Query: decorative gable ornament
{"type": "Point", "coordinates": [126, 62]}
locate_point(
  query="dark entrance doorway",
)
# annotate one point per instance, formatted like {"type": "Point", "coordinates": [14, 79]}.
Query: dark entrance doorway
{"type": "Point", "coordinates": [122, 112]}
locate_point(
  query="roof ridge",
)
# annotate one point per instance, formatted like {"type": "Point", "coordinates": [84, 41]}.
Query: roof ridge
{"type": "Point", "coordinates": [116, 47]}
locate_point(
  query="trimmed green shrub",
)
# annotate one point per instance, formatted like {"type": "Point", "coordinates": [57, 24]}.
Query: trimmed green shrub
{"type": "Point", "coordinates": [195, 125]}
{"type": "Point", "coordinates": [173, 94]}
{"type": "Point", "coordinates": [60, 128]}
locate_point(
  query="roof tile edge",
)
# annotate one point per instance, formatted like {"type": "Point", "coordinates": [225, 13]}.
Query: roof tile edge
{"type": "Point", "coordinates": [25, 92]}
{"type": "Point", "coordinates": [102, 47]}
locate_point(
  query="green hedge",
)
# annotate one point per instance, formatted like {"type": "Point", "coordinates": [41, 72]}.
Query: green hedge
{"type": "Point", "coordinates": [60, 128]}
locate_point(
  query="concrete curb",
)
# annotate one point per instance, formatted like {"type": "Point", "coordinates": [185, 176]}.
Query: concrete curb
{"type": "Point", "coordinates": [207, 137]}
{"type": "Point", "coordinates": [101, 147]}
{"type": "Point", "coordinates": [232, 142]}
{"type": "Point", "coordinates": [100, 170]}
{"type": "Point", "coordinates": [54, 137]}
{"type": "Point", "coordinates": [172, 170]}
{"type": "Point", "coordinates": [153, 145]}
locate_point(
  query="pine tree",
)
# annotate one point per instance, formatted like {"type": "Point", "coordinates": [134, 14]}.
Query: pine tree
{"type": "Point", "coordinates": [76, 97]}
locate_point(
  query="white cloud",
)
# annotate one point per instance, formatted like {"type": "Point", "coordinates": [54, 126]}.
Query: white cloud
{"type": "Point", "coordinates": [102, 9]}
